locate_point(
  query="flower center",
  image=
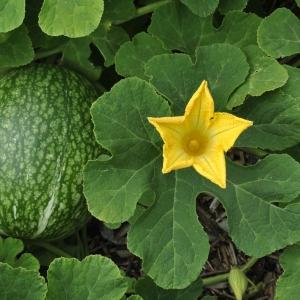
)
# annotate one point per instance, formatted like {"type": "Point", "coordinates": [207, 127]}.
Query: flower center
{"type": "Point", "coordinates": [193, 145]}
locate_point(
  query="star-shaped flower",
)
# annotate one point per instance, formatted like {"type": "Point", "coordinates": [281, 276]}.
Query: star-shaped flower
{"type": "Point", "coordinates": [200, 137]}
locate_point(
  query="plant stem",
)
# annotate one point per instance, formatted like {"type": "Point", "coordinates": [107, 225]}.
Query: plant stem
{"type": "Point", "coordinates": [257, 151]}
{"type": "Point", "coordinates": [223, 277]}
{"type": "Point", "coordinates": [49, 247]}
{"type": "Point", "coordinates": [296, 64]}
{"type": "Point", "coordinates": [83, 232]}
{"type": "Point", "coordinates": [47, 53]}
{"type": "Point", "coordinates": [144, 10]}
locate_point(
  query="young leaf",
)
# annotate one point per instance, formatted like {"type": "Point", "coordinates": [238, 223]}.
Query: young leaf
{"type": "Point", "coordinates": [148, 290]}
{"type": "Point", "coordinates": [15, 48]}
{"type": "Point", "coordinates": [279, 34]}
{"type": "Point", "coordinates": [132, 56]}
{"type": "Point", "coordinates": [10, 248]}
{"type": "Point", "coordinates": [95, 277]}
{"type": "Point", "coordinates": [276, 118]}
{"type": "Point", "coordinates": [227, 5]}
{"type": "Point", "coordinates": [265, 74]}
{"type": "Point", "coordinates": [287, 286]}
{"type": "Point", "coordinates": [108, 41]}
{"type": "Point", "coordinates": [12, 14]}
{"type": "Point", "coordinates": [214, 63]}
{"type": "Point", "coordinates": [69, 18]}
{"type": "Point", "coordinates": [76, 54]}
{"type": "Point", "coordinates": [20, 283]}
{"type": "Point", "coordinates": [292, 86]}
{"type": "Point", "coordinates": [201, 7]}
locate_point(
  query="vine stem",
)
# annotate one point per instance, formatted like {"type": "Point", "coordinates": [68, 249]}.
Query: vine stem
{"type": "Point", "coordinates": [42, 54]}
{"type": "Point", "coordinates": [223, 277]}
{"type": "Point", "coordinates": [49, 247]}
{"type": "Point", "coordinates": [144, 10]}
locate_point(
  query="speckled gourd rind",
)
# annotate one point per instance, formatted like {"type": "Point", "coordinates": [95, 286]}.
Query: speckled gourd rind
{"type": "Point", "coordinates": [46, 138]}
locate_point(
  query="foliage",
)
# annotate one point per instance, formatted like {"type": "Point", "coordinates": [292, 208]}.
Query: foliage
{"type": "Point", "coordinates": [250, 63]}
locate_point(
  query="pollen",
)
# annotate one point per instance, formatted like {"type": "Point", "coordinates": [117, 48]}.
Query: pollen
{"type": "Point", "coordinates": [193, 145]}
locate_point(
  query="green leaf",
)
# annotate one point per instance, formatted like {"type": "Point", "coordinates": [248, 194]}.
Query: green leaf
{"type": "Point", "coordinates": [279, 34]}
{"type": "Point", "coordinates": [276, 118]}
{"type": "Point", "coordinates": [147, 288]}
{"type": "Point", "coordinates": [226, 6]}
{"type": "Point", "coordinates": [265, 74]}
{"type": "Point", "coordinates": [15, 48]}
{"type": "Point", "coordinates": [298, 3]}
{"type": "Point", "coordinates": [116, 10]}
{"type": "Point", "coordinates": [292, 86]}
{"type": "Point", "coordinates": [202, 8]}
{"type": "Point", "coordinates": [175, 31]}
{"type": "Point", "coordinates": [132, 56]}
{"type": "Point", "coordinates": [20, 283]}
{"type": "Point", "coordinates": [70, 18]}
{"type": "Point", "coordinates": [214, 63]}
{"type": "Point", "coordinates": [76, 54]}
{"type": "Point", "coordinates": [135, 297]}
{"type": "Point", "coordinates": [288, 286]}
{"type": "Point", "coordinates": [108, 41]}
{"type": "Point", "coordinates": [250, 202]}
{"type": "Point", "coordinates": [113, 187]}
{"type": "Point", "coordinates": [12, 14]}
{"type": "Point", "coordinates": [10, 248]}
{"type": "Point", "coordinates": [95, 277]}
{"type": "Point", "coordinates": [123, 137]}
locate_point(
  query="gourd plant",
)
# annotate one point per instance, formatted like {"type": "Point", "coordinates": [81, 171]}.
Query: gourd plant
{"type": "Point", "coordinates": [248, 64]}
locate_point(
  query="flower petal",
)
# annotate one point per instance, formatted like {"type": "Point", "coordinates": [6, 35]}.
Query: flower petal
{"type": "Point", "coordinates": [170, 128]}
{"type": "Point", "coordinates": [175, 158]}
{"type": "Point", "coordinates": [226, 128]}
{"type": "Point", "coordinates": [200, 109]}
{"type": "Point", "coordinates": [211, 165]}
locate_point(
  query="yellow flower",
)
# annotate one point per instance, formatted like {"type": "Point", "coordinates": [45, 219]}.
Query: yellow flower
{"type": "Point", "coordinates": [200, 137]}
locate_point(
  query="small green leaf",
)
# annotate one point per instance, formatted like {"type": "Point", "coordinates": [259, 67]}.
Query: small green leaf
{"type": "Point", "coordinates": [288, 286]}
{"type": "Point", "coordinates": [202, 8]}
{"type": "Point", "coordinates": [132, 56]}
{"type": "Point", "coordinates": [226, 6]}
{"type": "Point", "coordinates": [108, 41]}
{"type": "Point", "coordinates": [20, 283]}
{"type": "Point", "coordinates": [292, 86]}
{"type": "Point", "coordinates": [135, 297]}
{"type": "Point", "coordinates": [12, 14]}
{"type": "Point", "coordinates": [147, 288]}
{"type": "Point", "coordinates": [265, 74]}
{"type": "Point", "coordinates": [10, 248]}
{"type": "Point", "coordinates": [279, 34]}
{"type": "Point", "coordinates": [15, 48]}
{"type": "Point", "coordinates": [276, 118]}
{"type": "Point", "coordinates": [116, 10]}
{"type": "Point", "coordinates": [76, 54]}
{"type": "Point", "coordinates": [70, 18]}
{"type": "Point", "coordinates": [95, 277]}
